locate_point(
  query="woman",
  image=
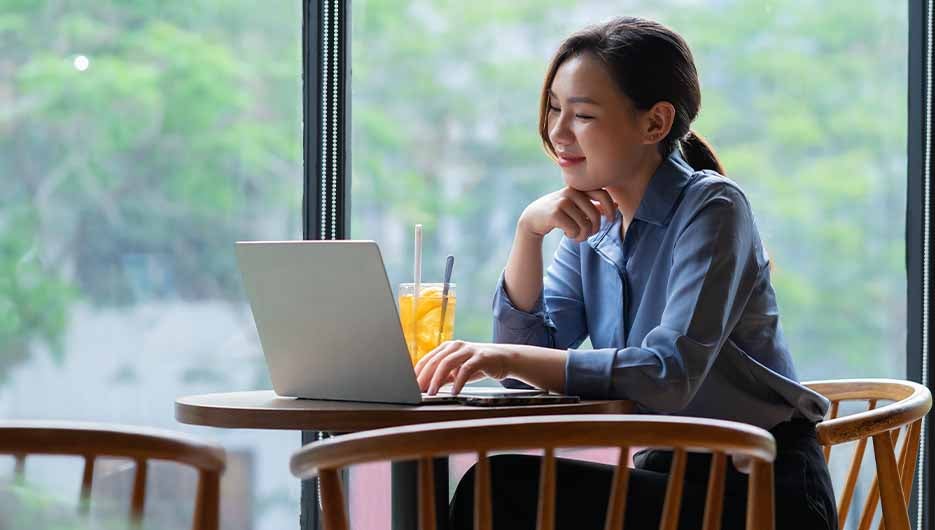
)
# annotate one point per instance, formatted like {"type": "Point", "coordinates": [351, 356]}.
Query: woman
{"type": "Point", "coordinates": [663, 268]}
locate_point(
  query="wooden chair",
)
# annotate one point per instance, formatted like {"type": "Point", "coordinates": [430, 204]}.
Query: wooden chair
{"type": "Point", "coordinates": [892, 481]}
{"type": "Point", "coordinates": [423, 442]}
{"type": "Point", "coordinates": [92, 440]}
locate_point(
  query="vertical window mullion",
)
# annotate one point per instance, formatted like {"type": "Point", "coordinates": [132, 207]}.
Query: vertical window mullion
{"type": "Point", "coordinates": [918, 232]}
{"type": "Point", "coordinates": [325, 130]}
{"type": "Point", "coordinates": [325, 205]}
{"type": "Point", "coordinates": [925, 478]}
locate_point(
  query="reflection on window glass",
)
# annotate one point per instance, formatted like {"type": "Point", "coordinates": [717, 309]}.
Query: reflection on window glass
{"type": "Point", "coordinates": [138, 141]}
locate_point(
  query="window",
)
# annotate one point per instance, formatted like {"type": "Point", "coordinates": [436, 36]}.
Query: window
{"type": "Point", "coordinates": [804, 103]}
{"type": "Point", "coordinates": [138, 141]}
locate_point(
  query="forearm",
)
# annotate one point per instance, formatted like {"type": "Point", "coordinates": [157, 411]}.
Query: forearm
{"type": "Point", "coordinates": [523, 274]}
{"type": "Point", "coordinates": [538, 366]}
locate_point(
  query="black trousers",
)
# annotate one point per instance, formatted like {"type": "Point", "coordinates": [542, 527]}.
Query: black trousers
{"type": "Point", "coordinates": [804, 497]}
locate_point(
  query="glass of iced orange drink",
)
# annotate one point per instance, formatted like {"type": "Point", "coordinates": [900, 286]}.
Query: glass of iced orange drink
{"type": "Point", "coordinates": [422, 319]}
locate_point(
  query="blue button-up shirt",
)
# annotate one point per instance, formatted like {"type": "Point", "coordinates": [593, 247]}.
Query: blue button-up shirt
{"type": "Point", "coordinates": [681, 313]}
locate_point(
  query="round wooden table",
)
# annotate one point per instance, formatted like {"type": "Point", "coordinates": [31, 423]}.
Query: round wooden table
{"type": "Point", "coordinates": [265, 410]}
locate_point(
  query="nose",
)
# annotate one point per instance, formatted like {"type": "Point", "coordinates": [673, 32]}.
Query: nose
{"type": "Point", "coordinates": [559, 132]}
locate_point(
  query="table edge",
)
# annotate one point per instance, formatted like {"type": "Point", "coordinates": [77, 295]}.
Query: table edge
{"type": "Point", "coordinates": [350, 421]}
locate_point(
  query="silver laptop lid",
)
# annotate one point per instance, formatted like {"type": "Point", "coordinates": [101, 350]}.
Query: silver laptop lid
{"type": "Point", "coordinates": [327, 320]}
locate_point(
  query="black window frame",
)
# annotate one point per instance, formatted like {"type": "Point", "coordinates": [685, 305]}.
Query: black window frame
{"type": "Point", "coordinates": [326, 201]}
{"type": "Point", "coordinates": [919, 217]}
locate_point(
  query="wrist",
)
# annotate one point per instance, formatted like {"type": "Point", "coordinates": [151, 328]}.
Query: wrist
{"type": "Point", "coordinates": [510, 363]}
{"type": "Point", "coordinates": [524, 232]}
{"type": "Point", "coordinates": [538, 366]}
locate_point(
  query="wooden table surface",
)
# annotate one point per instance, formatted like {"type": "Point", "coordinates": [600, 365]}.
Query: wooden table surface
{"type": "Point", "coordinates": [263, 409]}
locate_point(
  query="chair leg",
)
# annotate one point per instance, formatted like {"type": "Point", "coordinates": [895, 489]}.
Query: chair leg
{"type": "Point", "coordinates": [891, 495]}
{"type": "Point", "coordinates": [333, 512]}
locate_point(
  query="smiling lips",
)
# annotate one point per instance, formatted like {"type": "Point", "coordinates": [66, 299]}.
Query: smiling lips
{"type": "Point", "coordinates": [568, 160]}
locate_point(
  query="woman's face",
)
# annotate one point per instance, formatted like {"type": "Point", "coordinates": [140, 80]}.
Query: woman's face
{"type": "Point", "coordinates": [594, 128]}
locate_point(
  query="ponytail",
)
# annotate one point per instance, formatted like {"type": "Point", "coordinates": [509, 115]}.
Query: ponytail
{"type": "Point", "coordinates": [699, 154]}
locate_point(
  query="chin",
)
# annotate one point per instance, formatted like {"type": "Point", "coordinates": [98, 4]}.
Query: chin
{"type": "Point", "coordinates": [580, 182]}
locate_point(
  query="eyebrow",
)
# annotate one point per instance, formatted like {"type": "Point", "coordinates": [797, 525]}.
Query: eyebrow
{"type": "Point", "coordinates": [576, 99]}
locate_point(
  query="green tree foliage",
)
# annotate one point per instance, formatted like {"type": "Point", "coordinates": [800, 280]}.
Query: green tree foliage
{"type": "Point", "coordinates": [172, 144]}
{"type": "Point", "coordinates": [185, 129]}
{"type": "Point", "coordinates": [805, 104]}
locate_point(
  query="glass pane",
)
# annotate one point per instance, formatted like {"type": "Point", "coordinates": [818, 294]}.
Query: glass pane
{"type": "Point", "coordinates": [138, 141]}
{"type": "Point", "coordinates": [804, 102]}
{"type": "Point", "coordinates": [794, 100]}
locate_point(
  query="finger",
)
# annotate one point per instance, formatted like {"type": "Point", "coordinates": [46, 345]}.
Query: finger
{"type": "Point", "coordinates": [567, 224]}
{"type": "Point", "coordinates": [430, 368]}
{"type": "Point", "coordinates": [447, 379]}
{"type": "Point", "coordinates": [583, 202]}
{"type": "Point", "coordinates": [428, 356]}
{"type": "Point", "coordinates": [608, 206]}
{"type": "Point", "coordinates": [581, 220]}
{"type": "Point", "coordinates": [421, 364]}
{"type": "Point", "coordinates": [428, 371]}
{"type": "Point", "coordinates": [465, 373]}
{"type": "Point", "coordinates": [447, 365]}
{"type": "Point", "coordinates": [443, 372]}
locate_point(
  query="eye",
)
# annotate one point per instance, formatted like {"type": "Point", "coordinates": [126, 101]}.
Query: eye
{"type": "Point", "coordinates": [583, 117]}
{"type": "Point", "coordinates": [553, 108]}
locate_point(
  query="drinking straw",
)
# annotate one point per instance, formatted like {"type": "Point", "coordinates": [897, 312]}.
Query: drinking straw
{"type": "Point", "coordinates": [416, 287]}
{"type": "Point", "coordinates": [449, 264]}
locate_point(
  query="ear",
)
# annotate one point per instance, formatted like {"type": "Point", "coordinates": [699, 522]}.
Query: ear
{"type": "Point", "coordinates": [657, 122]}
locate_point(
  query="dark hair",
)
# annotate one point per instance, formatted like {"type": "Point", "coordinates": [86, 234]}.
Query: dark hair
{"type": "Point", "coordinates": [650, 63]}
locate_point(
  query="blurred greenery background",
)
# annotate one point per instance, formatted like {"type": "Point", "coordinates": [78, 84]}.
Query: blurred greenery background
{"type": "Point", "coordinates": [804, 103]}
{"type": "Point", "coordinates": [123, 184]}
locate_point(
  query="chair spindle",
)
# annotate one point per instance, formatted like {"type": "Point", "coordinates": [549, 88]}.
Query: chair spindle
{"type": "Point", "coordinates": [848, 494]}
{"type": "Point", "coordinates": [834, 414]}
{"type": "Point", "coordinates": [889, 483]}
{"type": "Point", "coordinates": [870, 505]}
{"type": "Point", "coordinates": [546, 510]}
{"type": "Point", "coordinates": [761, 508]}
{"type": "Point", "coordinates": [139, 492]}
{"type": "Point", "coordinates": [207, 501]}
{"type": "Point", "coordinates": [482, 507]}
{"type": "Point", "coordinates": [673, 502]}
{"type": "Point", "coordinates": [873, 494]}
{"type": "Point", "coordinates": [333, 512]}
{"type": "Point", "coordinates": [616, 508]}
{"type": "Point", "coordinates": [908, 458]}
{"type": "Point", "coordinates": [87, 477]}
{"type": "Point", "coordinates": [894, 437]}
{"type": "Point", "coordinates": [714, 501]}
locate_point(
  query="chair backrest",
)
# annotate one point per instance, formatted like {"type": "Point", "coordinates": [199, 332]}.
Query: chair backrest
{"type": "Point", "coordinates": [92, 440]}
{"type": "Point", "coordinates": [423, 442]}
{"type": "Point", "coordinates": [892, 481]}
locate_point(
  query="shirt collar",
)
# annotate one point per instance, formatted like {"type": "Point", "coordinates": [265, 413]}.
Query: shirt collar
{"type": "Point", "coordinates": [664, 189]}
{"type": "Point", "coordinates": [658, 200]}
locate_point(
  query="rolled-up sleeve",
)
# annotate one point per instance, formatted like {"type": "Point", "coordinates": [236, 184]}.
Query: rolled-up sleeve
{"type": "Point", "coordinates": [711, 277]}
{"type": "Point", "coordinates": [557, 320]}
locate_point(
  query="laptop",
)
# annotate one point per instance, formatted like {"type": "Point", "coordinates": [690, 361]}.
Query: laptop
{"type": "Point", "coordinates": [329, 326]}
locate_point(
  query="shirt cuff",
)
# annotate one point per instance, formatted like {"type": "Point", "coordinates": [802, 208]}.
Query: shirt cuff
{"type": "Point", "coordinates": [508, 316]}
{"type": "Point", "coordinates": [588, 373]}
